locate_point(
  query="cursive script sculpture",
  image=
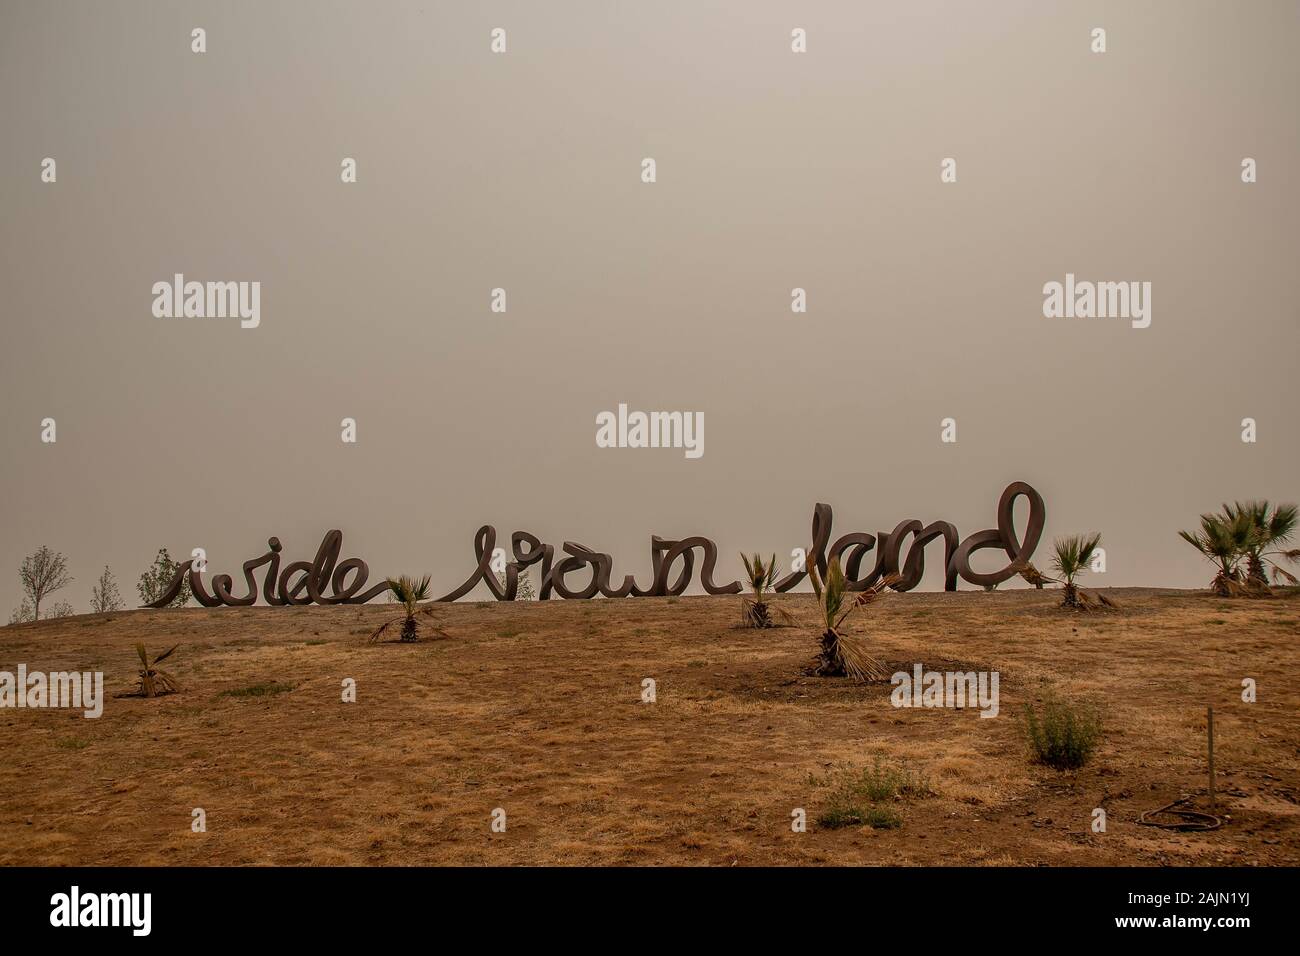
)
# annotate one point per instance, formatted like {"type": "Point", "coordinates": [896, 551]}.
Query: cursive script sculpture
{"type": "Point", "coordinates": [325, 580]}
{"type": "Point", "coordinates": [280, 587]}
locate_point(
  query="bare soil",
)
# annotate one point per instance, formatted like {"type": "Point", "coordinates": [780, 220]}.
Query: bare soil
{"type": "Point", "coordinates": [536, 708]}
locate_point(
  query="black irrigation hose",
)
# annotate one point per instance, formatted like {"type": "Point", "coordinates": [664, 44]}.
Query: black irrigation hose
{"type": "Point", "coordinates": [1191, 819]}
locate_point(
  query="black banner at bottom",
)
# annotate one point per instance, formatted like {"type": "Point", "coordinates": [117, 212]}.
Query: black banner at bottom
{"type": "Point", "coordinates": [370, 905]}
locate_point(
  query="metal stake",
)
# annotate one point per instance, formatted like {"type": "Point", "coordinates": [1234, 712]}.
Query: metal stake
{"type": "Point", "coordinates": [1210, 728]}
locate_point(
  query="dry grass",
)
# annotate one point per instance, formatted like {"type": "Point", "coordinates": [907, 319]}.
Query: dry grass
{"type": "Point", "coordinates": [536, 708]}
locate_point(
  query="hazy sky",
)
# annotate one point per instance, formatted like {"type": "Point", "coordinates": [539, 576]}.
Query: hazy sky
{"type": "Point", "coordinates": [522, 171]}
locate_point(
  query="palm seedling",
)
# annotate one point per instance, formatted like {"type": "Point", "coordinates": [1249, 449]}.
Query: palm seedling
{"type": "Point", "coordinates": [1224, 541]}
{"type": "Point", "coordinates": [843, 654]}
{"type": "Point", "coordinates": [408, 592]}
{"type": "Point", "coordinates": [1272, 525]}
{"type": "Point", "coordinates": [153, 681]}
{"type": "Point", "coordinates": [760, 577]}
{"type": "Point", "coordinates": [1073, 553]}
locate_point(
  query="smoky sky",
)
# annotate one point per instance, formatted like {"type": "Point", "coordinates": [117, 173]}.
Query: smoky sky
{"type": "Point", "coordinates": [522, 171]}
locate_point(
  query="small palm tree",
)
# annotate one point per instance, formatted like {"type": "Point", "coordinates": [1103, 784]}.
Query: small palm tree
{"type": "Point", "coordinates": [1073, 553]}
{"type": "Point", "coordinates": [1224, 541]}
{"type": "Point", "coordinates": [760, 577]}
{"type": "Point", "coordinates": [155, 682]}
{"type": "Point", "coordinates": [842, 654]}
{"type": "Point", "coordinates": [1271, 525]}
{"type": "Point", "coordinates": [409, 592]}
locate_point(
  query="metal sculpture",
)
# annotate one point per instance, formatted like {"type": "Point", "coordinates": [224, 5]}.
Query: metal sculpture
{"type": "Point", "coordinates": [279, 587]}
{"type": "Point", "coordinates": [325, 580]}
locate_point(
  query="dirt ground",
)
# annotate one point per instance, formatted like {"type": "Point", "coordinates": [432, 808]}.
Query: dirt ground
{"type": "Point", "coordinates": [535, 708]}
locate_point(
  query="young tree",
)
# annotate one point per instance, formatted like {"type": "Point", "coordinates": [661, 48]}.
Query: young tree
{"type": "Point", "coordinates": [1223, 541]}
{"type": "Point", "coordinates": [1073, 553]}
{"type": "Point", "coordinates": [409, 592]}
{"type": "Point", "coordinates": [104, 596]}
{"type": "Point", "coordinates": [524, 590]}
{"type": "Point", "coordinates": [155, 682]}
{"type": "Point", "coordinates": [153, 583]}
{"type": "Point", "coordinates": [1272, 526]}
{"type": "Point", "coordinates": [59, 609]}
{"type": "Point", "coordinates": [43, 573]}
{"type": "Point", "coordinates": [843, 654]}
{"type": "Point", "coordinates": [761, 578]}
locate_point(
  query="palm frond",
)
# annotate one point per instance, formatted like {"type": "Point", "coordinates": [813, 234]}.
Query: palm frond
{"type": "Point", "coordinates": [759, 576]}
{"type": "Point", "coordinates": [429, 612]}
{"type": "Point", "coordinates": [408, 590]}
{"type": "Point", "coordinates": [782, 615]}
{"type": "Point", "coordinates": [749, 568]}
{"type": "Point", "coordinates": [166, 654]}
{"type": "Point", "coordinates": [833, 598]}
{"type": "Point", "coordinates": [814, 577]}
{"type": "Point", "coordinates": [858, 664]}
{"type": "Point", "coordinates": [1032, 575]}
{"type": "Point", "coordinates": [1282, 523]}
{"type": "Point", "coordinates": [869, 595]}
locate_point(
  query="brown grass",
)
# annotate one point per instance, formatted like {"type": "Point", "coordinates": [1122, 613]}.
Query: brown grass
{"type": "Point", "coordinates": [536, 708]}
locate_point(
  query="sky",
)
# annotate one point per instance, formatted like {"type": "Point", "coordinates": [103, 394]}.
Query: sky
{"type": "Point", "coordinates": [523, 171]}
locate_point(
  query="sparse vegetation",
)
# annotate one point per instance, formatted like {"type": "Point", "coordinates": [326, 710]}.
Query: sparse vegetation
{"type": "Point", "coordinates": [264, 689]}
{"type": "Point", "coordinates": [862, 797]}
{"type": "Point", "coordinates": [1064, 735]}
{"type": "Point", "coordinates": [843, 654]}
{"type": "Point", "coordinates": [409, 592]}
{"type": "Point", "coordinates": [839, 815]}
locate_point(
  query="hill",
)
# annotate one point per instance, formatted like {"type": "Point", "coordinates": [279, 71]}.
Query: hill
{"type": "Point", "coordinates": [536, 708]}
